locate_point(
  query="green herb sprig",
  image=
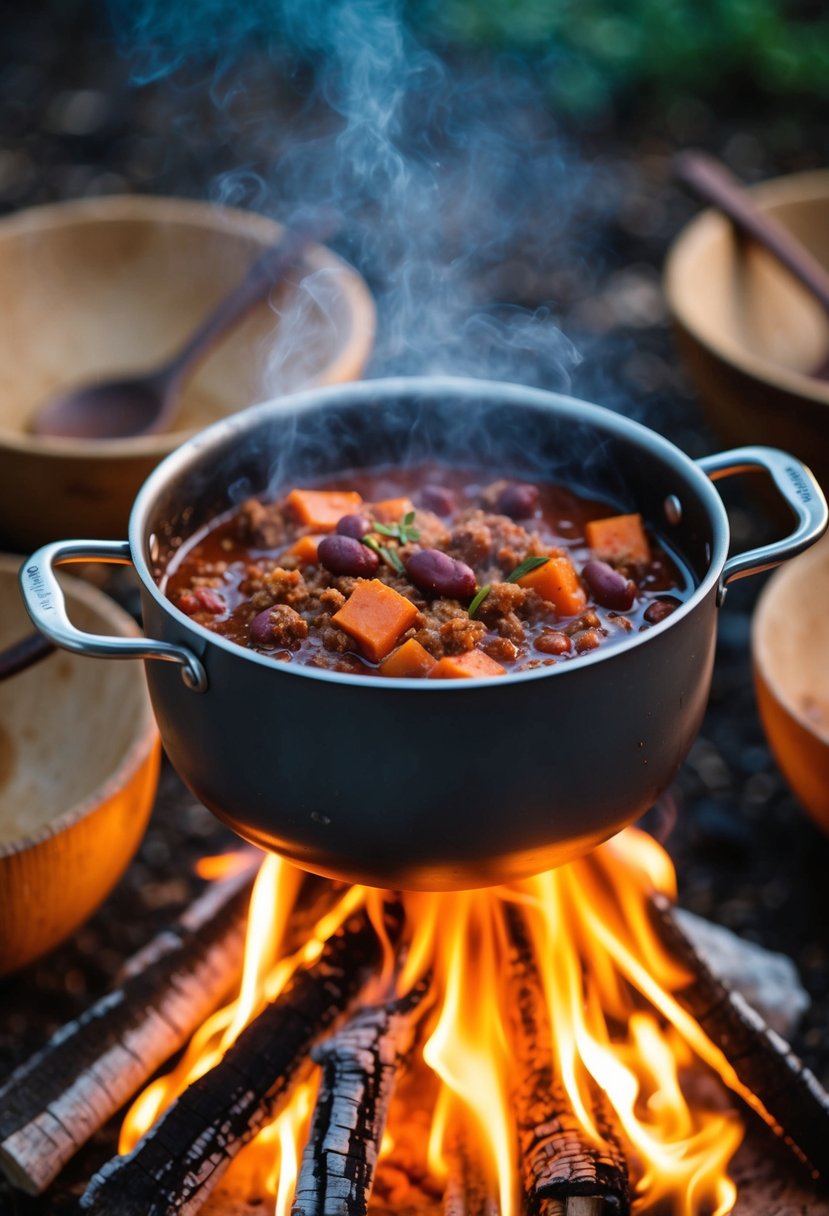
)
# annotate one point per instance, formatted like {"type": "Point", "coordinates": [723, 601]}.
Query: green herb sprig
{"type": "Point", "coordinates": [389, 556]}
{"type": "Point", "coordinates": [528, 564]}
{"type": "Point", "coordinates": [402, 531]}
{"type": "Point", "coordinates": [480, 596]}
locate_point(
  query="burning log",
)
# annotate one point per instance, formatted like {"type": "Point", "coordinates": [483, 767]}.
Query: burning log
{"type": "Point", "coordinates": [468, 1192]}
{"type": "Point", "coordinates": [54, 1102]}
{"type": "Point", "coordinates": [360, 1065]}
{"type": "Point", "coordinates": [176, 1165]}
{"type": "Point", "coordinates": [771, 1079]}
{"type": "Point", "coordinates": [563, 1170]}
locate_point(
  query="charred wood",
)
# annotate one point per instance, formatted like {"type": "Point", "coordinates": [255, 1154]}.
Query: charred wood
{"type": "Point", "coordinates": [54, 1102]}
{"type": "Point", "coordinates": [360, 1065]}
{"type": "Point", "coordinates": [559, 1162]}
{"type": "Point", "coordinates": [773, 1081]}
{"type": "Point", "coordinates": [469, 1191]}
{"type": "Point", "coordinates": [176, 1165]}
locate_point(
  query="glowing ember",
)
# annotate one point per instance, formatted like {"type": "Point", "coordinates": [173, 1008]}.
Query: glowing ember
{"type": "Point", "coordinates": [606, 985]}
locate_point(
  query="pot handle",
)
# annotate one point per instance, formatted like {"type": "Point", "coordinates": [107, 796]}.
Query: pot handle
{"type": "Point", "coordinates": [798, 487]}
{"type": "Point", "coordinates": [47, 608]}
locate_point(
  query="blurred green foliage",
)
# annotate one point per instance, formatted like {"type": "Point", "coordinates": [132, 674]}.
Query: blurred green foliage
{"type": "Point", "coordinates": [595, 51]}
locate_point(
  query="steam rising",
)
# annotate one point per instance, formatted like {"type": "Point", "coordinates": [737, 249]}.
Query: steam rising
{"type": "Point", "coordinates": [440, 173]}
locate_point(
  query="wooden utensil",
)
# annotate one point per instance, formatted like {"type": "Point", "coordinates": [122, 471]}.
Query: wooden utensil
{"type": "Point", "coordinates": [141, 405]}
{"type": "Point", "coordinates": [714, 184]}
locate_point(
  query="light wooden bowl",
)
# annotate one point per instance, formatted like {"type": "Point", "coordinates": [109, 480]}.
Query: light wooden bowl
{"type": "Point", "coordinates": [790, 648]}
{"type": "Point", "coordinates": [748, 332]}
{"type": "Point", "coordinates": [79, 756]}
{"type": "Point", "coordinates": [102, 287]}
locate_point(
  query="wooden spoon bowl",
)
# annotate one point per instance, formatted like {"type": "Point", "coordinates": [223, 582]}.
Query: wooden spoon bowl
{"type": "Point", "coordinates": [103, 288]}
{"type": "Point", "coordinates": [790, 649]}
{"type": "Point", "coordinates": [79, 756]}
{"type": "Point", "coordinates": [750, 335]}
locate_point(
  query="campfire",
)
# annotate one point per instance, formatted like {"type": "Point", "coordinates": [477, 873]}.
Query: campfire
{"type": "Point", "coordinates": [525, 1049]}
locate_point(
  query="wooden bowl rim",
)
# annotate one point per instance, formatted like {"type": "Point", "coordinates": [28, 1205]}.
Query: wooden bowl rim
{"type": "Point", "coordinates": [145, 731]}
{"type": "Point", "coordinates": [710, 226]}
{"type": "Point", "coordinates": [781, 580]}
{"type": "Point", "coordinates": [152, 209]}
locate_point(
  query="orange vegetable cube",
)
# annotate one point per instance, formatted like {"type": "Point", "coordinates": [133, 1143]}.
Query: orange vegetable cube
{"type": "Point", "coordinates": [466, 666]}
{"type": "Point", "coordinates": [411, 659]}
{"type": "Point", "coordinates": [375, 616]}
{"type": "Point", "coordinates": [557, 582]}
{"type": "Point", "coordinates": [323, 509]}
{"type": "Point", "coordinates": [619, 537]}
{"type": "Point", "coordinates": [391, 510]}
{"type": "Point", "coordinates": [305, 549]}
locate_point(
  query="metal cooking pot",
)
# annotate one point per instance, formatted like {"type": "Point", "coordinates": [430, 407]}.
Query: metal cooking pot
{"type": "Point", "coordinates": [422, 784]}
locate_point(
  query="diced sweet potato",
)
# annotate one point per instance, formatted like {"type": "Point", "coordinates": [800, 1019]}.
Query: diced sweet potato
{"type": "Point", "coordinates": [557, 582]}
{"type": "Point", "coordinates": [410, 660]}
{"type": "Point", "coordinates": [323, 509]}
{"type": "Point", "coordinates": [305, 549]}
{"type": "Point", "coordinates": [391, 510]}
{"type": "Point", "coordinates": [375, 616]}
{"type": "Point", "coordinates": [466, 666]}
{"type": "Point", "coordinates": [618, 537]}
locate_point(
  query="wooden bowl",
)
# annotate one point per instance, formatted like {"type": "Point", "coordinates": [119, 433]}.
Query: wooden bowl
{"type": "Point", "coordinates": [103, 287]}
{"type": "Point", "coordinates": [790, 648]}
{"type": "Point", "coordinates": [79, 756]}
{"type": "Point", "coordinates": [748, 332]}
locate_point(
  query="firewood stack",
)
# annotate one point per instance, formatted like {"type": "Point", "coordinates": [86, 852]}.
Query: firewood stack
{"type": "Point", "coordinates": [54, 1103]}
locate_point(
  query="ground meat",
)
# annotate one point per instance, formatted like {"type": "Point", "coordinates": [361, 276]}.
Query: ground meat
{"type": "Point", "coordinates": [430, 640]}
{"type": "Point", "coordinates": [335, 640]}
{"type": "Point", "coordinates": [331, 599]}
{"type": "Point", "coordinates": [262, 524]}
{"type": "Point", "coordinates": [503, 608]}
{"type": "Point", "coordinates": [502, 650]}
{"type": "Point", "coordinates": [433, 531]}
{"type": "Point", "coordinates": [289, 628]}
{"type": "Point", "coordinates": [503, 598]}
{"type": "Point", "coordinates": [461, 634]}
{"type": "Point", "coordinates": [509, 626]}
{"type": "Point", "coordinates": [471, 540]}
{"type": "Point", "coordinates": [287, 587]}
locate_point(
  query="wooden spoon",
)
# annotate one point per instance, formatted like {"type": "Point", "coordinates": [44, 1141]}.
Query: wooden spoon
{"type": "Point", "coordinates": [24, 654]}
{"type": "Point", "coordinates": [139, 405]}
{"type": "Point", "coordinates": [714, 184]}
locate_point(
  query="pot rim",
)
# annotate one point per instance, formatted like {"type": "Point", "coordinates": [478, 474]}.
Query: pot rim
{"type": "Point", "coordinates": [234, 427]}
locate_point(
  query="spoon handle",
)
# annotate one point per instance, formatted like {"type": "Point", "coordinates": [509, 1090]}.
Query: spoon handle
{"type": "Point", "coordinates": [713, 183]}
{"type": "Point", "coordinates": [264, 274]}
{"type": "Point", "coordinates": [25, 653]}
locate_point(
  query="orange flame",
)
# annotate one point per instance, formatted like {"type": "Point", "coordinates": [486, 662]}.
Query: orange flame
{"type": "Point", "coordinates": [607, 984]}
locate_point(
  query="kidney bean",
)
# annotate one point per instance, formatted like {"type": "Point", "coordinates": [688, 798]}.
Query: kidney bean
{"type": "Point", "coordinates": [438, 574]}
{"type": "Point", "coordinates": [210, 600]}
{"type": "Point", "coordinates": [659, 609]}
{"type": "Point", "coordinates": [187, 603]}
{"type": "Point", "coordinates": [437, 498]}
{"type": "Point", "coordinates": [261, 629]}
{"type": "Point", "coordinates": [346, 555]}
{"type": "Point", "coordinates": [609, 588]}
{"type": "Point", "coordinates": [518, 500]}
{"type": "Point", "coordinates": [356, 526]}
